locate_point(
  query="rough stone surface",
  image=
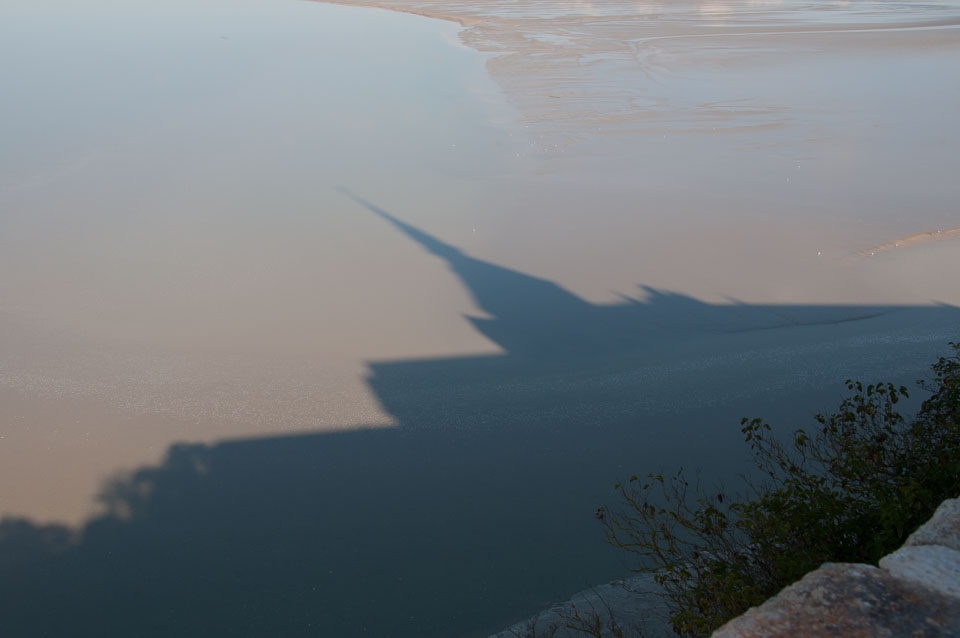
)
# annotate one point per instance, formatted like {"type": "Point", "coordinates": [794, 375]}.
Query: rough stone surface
{"type": "Point", "coordinates": [854, 601]}
{"type": "Point", "coordinates": [931, 565]}
{"type": "Point", "coordinates": [636, 611]}
{"type": "Point", "coordinates": [942, 529]}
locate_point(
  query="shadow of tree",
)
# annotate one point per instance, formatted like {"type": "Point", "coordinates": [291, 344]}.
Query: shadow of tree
{"type": "Point", "coordinates": [477, 509]}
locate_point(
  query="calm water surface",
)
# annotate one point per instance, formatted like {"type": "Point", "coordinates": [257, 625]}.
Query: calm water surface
{"type": "Point", "coordinates": [317, 321]}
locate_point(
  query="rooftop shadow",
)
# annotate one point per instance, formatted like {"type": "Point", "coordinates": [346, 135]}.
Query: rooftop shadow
{"type": "Point", "coordinates": [477, 509]}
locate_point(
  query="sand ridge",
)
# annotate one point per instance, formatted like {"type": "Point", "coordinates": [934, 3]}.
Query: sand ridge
{"type": "Point", "coordinates": [916, 239]}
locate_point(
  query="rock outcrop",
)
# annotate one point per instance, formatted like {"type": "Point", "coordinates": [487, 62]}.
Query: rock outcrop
{"type": "Point", "coordinates": [914, 592]}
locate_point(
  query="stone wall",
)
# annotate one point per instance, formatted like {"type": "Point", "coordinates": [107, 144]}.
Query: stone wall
{"type": "Point", "coordinates": [914, 592]}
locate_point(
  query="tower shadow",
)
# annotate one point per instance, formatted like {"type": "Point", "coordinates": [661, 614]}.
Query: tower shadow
{"type": "Point", "coordinates": [477, 509]}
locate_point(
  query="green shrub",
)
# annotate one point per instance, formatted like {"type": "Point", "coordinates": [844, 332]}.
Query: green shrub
{"type": "Point", "coordinates": [850, 490]}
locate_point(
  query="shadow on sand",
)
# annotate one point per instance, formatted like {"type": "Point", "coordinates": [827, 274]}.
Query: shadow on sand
{"type": "Point", "coordinates": [477, 509]}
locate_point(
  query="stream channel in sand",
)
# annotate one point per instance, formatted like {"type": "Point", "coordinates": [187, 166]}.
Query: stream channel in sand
{"type": "Point", "coordinates": [337, 320]}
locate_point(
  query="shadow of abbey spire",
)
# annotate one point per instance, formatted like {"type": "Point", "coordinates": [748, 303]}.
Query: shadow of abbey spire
{"type": "Point", "coordinates": [477, 510]}
{"type": "Point", "coordinates": [532, 316]}
{"type": "Point", "coordinates": [538, 318]}
{"type": "Point", "coordinates": [564, 353]}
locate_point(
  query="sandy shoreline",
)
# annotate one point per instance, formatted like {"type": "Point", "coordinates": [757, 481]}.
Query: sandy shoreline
{"type": "Point", "coordinates": [579, 69]}
{"type": "Point", "coordinates": [425, 13]}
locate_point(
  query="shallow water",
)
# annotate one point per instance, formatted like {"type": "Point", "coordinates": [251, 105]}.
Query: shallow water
{"type": "Point", "coordinates": [173, 242]}
{"type": "Point", "coordinates": [340, 317]}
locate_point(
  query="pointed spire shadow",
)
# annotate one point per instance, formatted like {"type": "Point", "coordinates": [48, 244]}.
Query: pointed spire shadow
{"type": "Point", "coordinates": [547, 331]}
{"type": "Point", "coordinates": [531, 316]}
